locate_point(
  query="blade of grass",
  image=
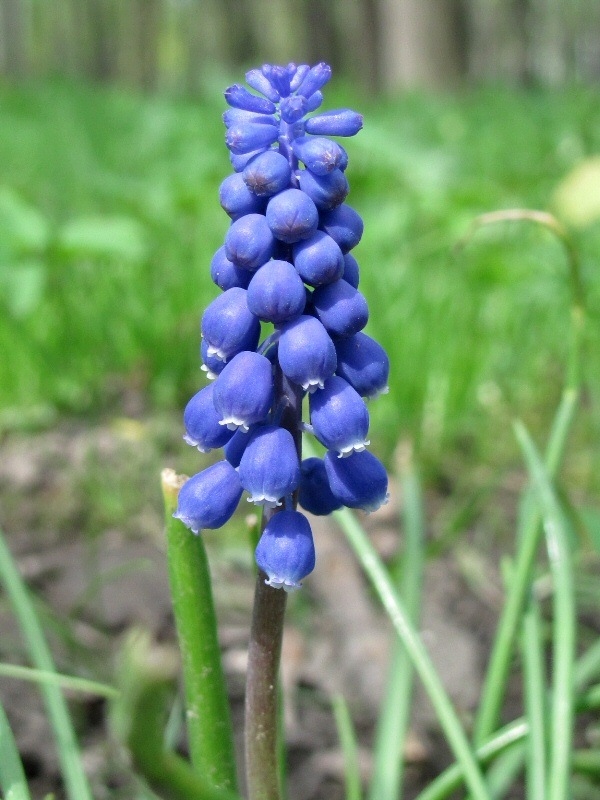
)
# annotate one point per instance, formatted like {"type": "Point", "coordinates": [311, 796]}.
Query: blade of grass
{"type": "Point", "coordinates": [564, 621]}
{"type": "Point", "coordinates": [208, 716]}
{"type": "Point", "coordinates": [76, 783]}
{"type": "Point", "coordinates": [505, 771]}
{"type": "Point", "coordinates": [417, 653]}
{"type": "Point", "coordinates": [495, 680]}
{"type": "Point", "coordinates": [347, 737]}
{"type": "Point", "coordinates": [12, 775]}
{"type": "Point", "coordinates": [535, 695]}
{"type": "Point", "coordinates": [394, 715]}
{"type": "Point", "coordinates": [56, 679]}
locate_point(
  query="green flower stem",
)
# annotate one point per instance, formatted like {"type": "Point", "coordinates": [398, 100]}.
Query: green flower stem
{"type": "Point", "coordinates": [416, 651]}
{"type": "Point", "coordinates": [535, 700]}
{"type": "Point", "coordinates": [494, 685]}
{"type": "Point", "coordinates": [564, 622]}
{"type": "Point", "coordinates": [12, 776]}
{"type": "Point", "coordinates": [266, 635]}
{"type": "Point", "coordinates": [207, 709]}
{"type": "Point", "coordinates": [394, 716]}
{"type": "Point", "coordinates": [76, 783]}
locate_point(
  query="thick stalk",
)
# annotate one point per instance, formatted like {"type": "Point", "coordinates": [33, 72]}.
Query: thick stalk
{"type": "Point", "coordinates": [266, 634]}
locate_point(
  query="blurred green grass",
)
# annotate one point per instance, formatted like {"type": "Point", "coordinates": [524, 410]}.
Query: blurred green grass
{"type": "Point", "coordinates": [109, 216]}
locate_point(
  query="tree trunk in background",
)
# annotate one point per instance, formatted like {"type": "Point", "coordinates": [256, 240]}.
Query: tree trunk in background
{"type": "Point", "coordinates": [148, 28]}
{"type": "Point", "coordinates": [12, 37]}
{"type": "Point", "coordinates": [423, 43]}
{"type": "Point", "coordinates": [322, 39]}
{"type": "Point", "coordinates": [102, 39]}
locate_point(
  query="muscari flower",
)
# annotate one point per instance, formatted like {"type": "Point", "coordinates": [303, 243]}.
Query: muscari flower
{"type": "Point", "coordinates": [286, 262]}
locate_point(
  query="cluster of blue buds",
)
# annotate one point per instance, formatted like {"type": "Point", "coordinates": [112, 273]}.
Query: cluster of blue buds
{"type": "Point", "coordinates": [285, 263]}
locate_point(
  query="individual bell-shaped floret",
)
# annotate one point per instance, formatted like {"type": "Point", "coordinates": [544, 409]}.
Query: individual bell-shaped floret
{"type": "Point", "coordinates": [351, 270]}
{"type": "Point", "coordinates": [276, 293]}
{"type": "Point", "coordinates": [364, 364]}
{"type": "Point", "coordinates": [359, 481]}
{"type": "Point", "coordinates": [318, 260]}
{"type": "Point", "coordinates": [339, 417]}
{"type": "Point", "coordinates": [306, 353]}
{"type": "Point", "coordinates": [314, 492]}
{"type": "Point", "coordinates": [321, 156]}
{"type": "Point", "coordinates": [228, 325]}
{"type": "Point", "coordinates": [341, 122]}
{"type": "Point", "coordinates": [269, 468]}
{"type": "Point", "coordinates": [267, 174]}
{"type": "Point", "coordinates": [249, 242]}
{"type": "Point", "coordinates": [226, 274]}
{"type": "Point", "coordinates": [239, 97]}
{"type": "Point", "coordinates": [286, 551]}
{"type": "Point", "coordinates": [326, 191]}
{"type": "Point", "coordinates": [292, 216]}
{"type": "Point", "coordinates": [243, 392]}
{"type": "Point", "coordinates": [341, 308]}
{"type": "Point", "coordinates": [239, 163]}
{"type": "Point", "coordinates": [211, 365]}
{"type": "Point", "coordinates": [201, 420]}
{"type": "Point", "coordinates": [344, 225]}
{"type": "Point", "coordinates": [209, 499]}
{"type": "Point", "coordinates": [237, 199]}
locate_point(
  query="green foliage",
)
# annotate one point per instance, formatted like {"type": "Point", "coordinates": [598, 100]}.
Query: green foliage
{"type": "Point", "coordinates": [109, 218]}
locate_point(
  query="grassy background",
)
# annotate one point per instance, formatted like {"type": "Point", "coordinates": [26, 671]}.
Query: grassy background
{"type": "Point", "coordinates": [109, 217]}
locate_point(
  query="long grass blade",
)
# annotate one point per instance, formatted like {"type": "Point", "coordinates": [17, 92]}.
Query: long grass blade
{"type": "Point", "coordinates": [496, 677]}
{"type": "Point", "coordinates": [74, 776]}
{"type": "Point", "coordinates": [535, 701]}
{"type": "Point", "coordinates": [56, 679]}
{"type": "Point", "coordinates": [12, 776]}
{"type": "Point", "coordinates": [347, 737]}
{"type": "Point", "coordinates": [564, 621]}
{"type": "Point", "coordinates": [394, 716]}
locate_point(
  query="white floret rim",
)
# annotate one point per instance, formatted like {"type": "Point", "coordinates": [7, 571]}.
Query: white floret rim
{"type": "Point", "coordinates": [376, 504]}
{"type": "Point", "coordinates": [209, 373]}
{"type": "Point", "coordinates": [216, 352]}
{"type": "Point", "coordinates": [313, 384]}
{"type": "Point", "coordinates": [195, 443]}
{"type": "Point", "coordinates": [283, 583]}
{"type": "Point", "coordinates": [357, 447]}
{"type": "Point", "coordinates": [264, 500]}
{"type": "Point", "coordinates": [235, 423]}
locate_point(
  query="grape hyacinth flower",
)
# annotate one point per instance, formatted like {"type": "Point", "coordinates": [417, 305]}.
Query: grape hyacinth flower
{"type": "Point", "coordinates": [285, 264]}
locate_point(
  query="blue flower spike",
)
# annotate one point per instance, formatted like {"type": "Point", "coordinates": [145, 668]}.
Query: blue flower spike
{"type": "Point", "coordinates": [287, 277]}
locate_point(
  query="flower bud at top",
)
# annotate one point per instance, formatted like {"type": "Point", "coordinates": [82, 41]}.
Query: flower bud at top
{"type": "Point", "coordinates": [306, 353]}
{"type": "Point", "coordinates": [359, 481]}
{"type": "Point", "coordinates": [276, 293]}
{"type": "Point", "coordinates": [243, 392]}
{"type": "Point", "coordinates": [269, 468]}
{"type": "Point", "coordinates": [293, 109]}
{"type": "Point", "coordinates": [237, 116]}
{"type": "Point", "coordinates": [228, 325]}
{"type": "Point", "coordinates": [209, 499]}
{"type": "Point", "coordinates": [238, 97]}
{"type": "Point", "coordinates": [314, 493]}
{"type": "Point", "coordinates": [286, 551]}
{"type": "Point", "coordinates": [267, 174]}
{"type": "Point", "coordinates": [339, 417]}
{"type": "Point", "coordinates": [344, 225]}
{"type": "Point", "coordinates": [315, 79]}
{"type": "Point", "coordinates": [341, 308]}
{"type": "Point", "coordinates": [202, 428]}
{"type": "Point", "coordinates": [241, 139]}
{"type": "Point", "coordinates": [300, 73]}
{"type": "Point", "coordinates": [314, 101]}
{"type": "Point", "coordinates": [237, 199]}
{"type": "Point", "coordinates": [259, 81]}
{"type": "Point", "coordinates": [342, 122]}
{"type": "Point", "coordinates": [278, 77]}
{"type": "Point", "coordinates": [292, 216]}
{"type": "Point", "coordinates": [364, 364]}
{"type": "Point", "coordinates": [249, 242]}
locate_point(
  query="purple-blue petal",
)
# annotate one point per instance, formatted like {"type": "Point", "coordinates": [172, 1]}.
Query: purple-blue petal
{"type": "Point", "coordinates": [286, 551]}
{"type": "Point", "coordinates": [209, 499]}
